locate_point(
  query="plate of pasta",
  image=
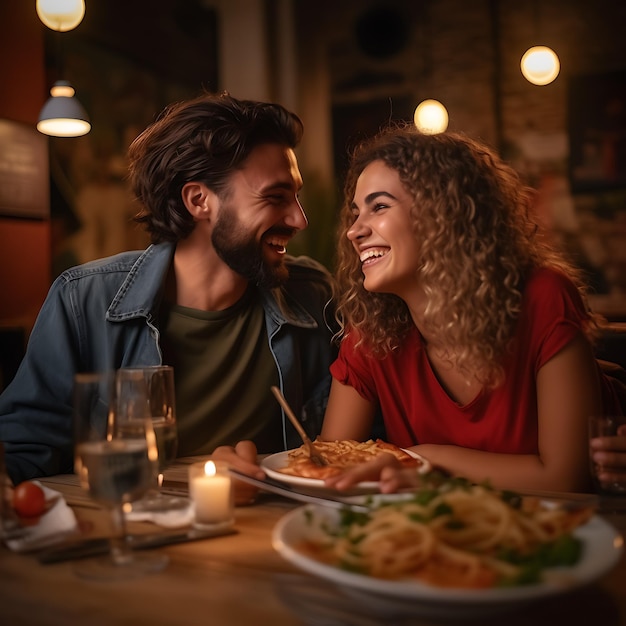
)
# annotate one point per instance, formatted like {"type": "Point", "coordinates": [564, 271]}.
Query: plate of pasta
{"type": "Point", "coordinates": [450, 549]}
{"type": "Point", "coordinates": [295, 467]}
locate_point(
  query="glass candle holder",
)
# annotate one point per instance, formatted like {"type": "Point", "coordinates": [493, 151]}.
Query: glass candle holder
{"type": "Point", "coordinates": [211, 491]}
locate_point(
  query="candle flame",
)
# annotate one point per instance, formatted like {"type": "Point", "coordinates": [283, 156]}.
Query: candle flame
{"type": "Point", "coordinates": [209, 468]}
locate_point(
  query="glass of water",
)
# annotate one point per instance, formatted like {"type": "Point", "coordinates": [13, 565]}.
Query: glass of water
{"type": "Point", "coordinates": [154, 387]}
{"type": "Point", "coordinates": [115, 457]}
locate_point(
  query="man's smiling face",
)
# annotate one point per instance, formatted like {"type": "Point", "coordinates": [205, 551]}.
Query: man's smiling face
{"type": "Point", "coordinates": [259, 213]}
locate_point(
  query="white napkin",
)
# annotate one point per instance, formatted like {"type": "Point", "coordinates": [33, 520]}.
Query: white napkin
{"type": "Point", "coordinates": [175, 518]}
{"type": "Point", "coordinates": [53, 526]}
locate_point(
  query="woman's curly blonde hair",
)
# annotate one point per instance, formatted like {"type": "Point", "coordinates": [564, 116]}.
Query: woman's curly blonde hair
{"type": "Point", "coordinates": [477, 244]}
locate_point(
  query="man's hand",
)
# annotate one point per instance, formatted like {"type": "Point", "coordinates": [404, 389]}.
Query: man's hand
{"type": "Point", "coordinates": [242, 457]}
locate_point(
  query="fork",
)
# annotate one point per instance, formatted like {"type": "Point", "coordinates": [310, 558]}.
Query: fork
{"type": "Point", "coordinates": [283, 489]}
{"type": "Point", "coordinates": [314, 453]}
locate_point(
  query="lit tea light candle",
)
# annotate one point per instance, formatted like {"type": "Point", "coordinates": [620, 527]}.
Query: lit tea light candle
{"type": "Point", "coordinates": [210, 489]}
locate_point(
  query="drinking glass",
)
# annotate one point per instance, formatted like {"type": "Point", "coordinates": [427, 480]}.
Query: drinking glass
{"type": "Point", "coordinates": [115, 459]}
{"type": "Point", "coordinates": [606, 426]}
{"type": "Point", "coordinates": [154, 398]}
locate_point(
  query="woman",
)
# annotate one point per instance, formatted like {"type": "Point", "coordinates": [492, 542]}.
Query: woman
{"type": "Point", "coordinates": [459, 321]}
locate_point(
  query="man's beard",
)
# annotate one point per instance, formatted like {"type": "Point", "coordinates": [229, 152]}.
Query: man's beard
{"type": "Point", "coordinates": [243, 254]}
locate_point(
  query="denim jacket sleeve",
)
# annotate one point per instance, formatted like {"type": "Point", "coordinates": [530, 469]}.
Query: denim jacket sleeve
{"type": "Point", "coordinates": [36, 408]}
{"type": "Point", "coordinates": [71, 334]}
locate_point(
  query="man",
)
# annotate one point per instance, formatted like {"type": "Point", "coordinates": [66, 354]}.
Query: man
{"type": "Point", "coordinates": [215, 295]}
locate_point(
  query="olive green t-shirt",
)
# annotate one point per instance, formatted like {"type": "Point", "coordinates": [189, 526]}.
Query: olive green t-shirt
{"type": "Point", "coordinates": [223, 369]}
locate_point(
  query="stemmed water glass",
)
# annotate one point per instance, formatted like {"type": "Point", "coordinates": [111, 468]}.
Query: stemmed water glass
{"type": "Point", "coordinates": [154, 385]}
{"type": "Point", "coordinates": [115, 458]}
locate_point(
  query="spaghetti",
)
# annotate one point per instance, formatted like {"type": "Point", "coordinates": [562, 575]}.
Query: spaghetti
{"type": "Point", "coordinates": [456, 535]}
{"type": "Point", "coordinates": [341, 455]}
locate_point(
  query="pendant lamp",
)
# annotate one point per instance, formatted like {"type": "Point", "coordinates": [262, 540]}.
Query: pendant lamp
{"type": "Point", "coordinates": [430, 116]}
{"type": "Point", "coordinates": [540, 64]}
{"type": "Point", "coordinates": [61, 15]}
{"type": "Point", "coordinates": [62, 115]}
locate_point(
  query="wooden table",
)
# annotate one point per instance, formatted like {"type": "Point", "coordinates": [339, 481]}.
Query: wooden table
{"type": "Point", "coordinates": [240, 580]}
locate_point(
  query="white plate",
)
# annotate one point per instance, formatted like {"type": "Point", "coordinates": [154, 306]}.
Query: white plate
{"type": "Point", "coordinates": [602, 549]}
{"type": "Point", "coordinates": [273, 463]}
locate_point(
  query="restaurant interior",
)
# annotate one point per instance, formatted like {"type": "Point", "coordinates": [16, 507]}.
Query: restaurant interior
{"type": "Point", "coordinates": [346, 67]}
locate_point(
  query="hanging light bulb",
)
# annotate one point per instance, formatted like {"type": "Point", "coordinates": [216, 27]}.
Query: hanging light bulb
{"type": "Point", "coordinates": [63, 115]}
{"type": "Point", "coordinates": [540, 65]}
{"type": "Point", "coordinates": [61, 15]}
{"type": "Point", "coordinates": [431, 117]}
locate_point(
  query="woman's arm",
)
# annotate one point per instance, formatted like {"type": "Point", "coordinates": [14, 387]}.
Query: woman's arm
{"type": "Point", "coordinates": [348, 415]}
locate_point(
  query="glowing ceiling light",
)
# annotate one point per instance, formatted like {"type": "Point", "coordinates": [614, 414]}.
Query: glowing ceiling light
{"type": "Point", "coordinates": [63, 115]}
{"type": "Point", "coordinates": [431, 117]}
{"type": "Point", "coordinates": [540, 65]}
{"type": "Point", "coordinates": [61, 15]}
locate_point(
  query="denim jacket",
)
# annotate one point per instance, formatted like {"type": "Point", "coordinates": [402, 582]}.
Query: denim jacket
{"type": "Point", "coordinates": [104, 315]}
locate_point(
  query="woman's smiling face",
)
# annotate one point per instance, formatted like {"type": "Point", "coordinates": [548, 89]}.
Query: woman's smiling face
{"type": "Point", "coordinates": [382, 232]}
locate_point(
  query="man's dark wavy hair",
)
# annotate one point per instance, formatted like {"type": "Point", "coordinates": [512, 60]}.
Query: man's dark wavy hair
{"type": "Point", "coordinates": [203, 140]}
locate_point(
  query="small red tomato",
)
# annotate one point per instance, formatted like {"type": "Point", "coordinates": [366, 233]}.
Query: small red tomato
{"type": "Point", "coordinates": [29, 499]}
